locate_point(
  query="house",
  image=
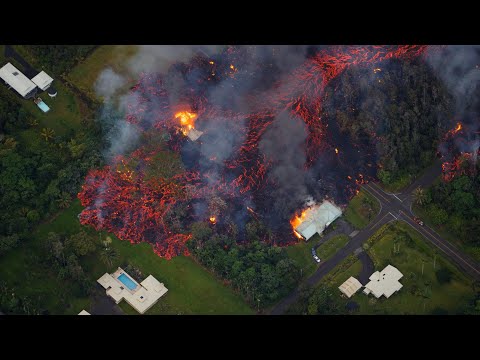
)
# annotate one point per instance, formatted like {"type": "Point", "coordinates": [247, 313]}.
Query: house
{"type": "Point", "coordinates": [42, 80]}
{"type": "Point", "coordinates": [350, 286]}
{"type": "Point", "coordinates": [317, 218]}
{"type": "Point", "coordinates": [141, 297]}
{"type": "Point", "coordinates": [15, 79]}
{"type": "Point", "coordinates": [385, 282]}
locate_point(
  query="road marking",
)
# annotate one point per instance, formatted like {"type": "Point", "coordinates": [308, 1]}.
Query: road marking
{"type": "Point", "coordinates": [392, 215]}
{"type": "Point", "coordinates": [445, 246]}
{"type": "Point", "coordinates": [380, 220]}
{"type": "Point", "coordinates": [368, 186]}
{"type": "Point", "coordinates": [398, 198]}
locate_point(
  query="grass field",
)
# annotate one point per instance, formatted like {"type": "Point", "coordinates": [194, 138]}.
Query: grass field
{"type": "Point", "coordinates": [301, 253]}
{"type": "Point", "coordinates": [357, 214]}
{"type": "Point", "coordinates": [329, 248]}
{"type": "Point", "coordinates": [84, 75]}
{"type": "Point", "coordinates": [421, 293]}
{"type": "Point", "coordinates": [192, 290]}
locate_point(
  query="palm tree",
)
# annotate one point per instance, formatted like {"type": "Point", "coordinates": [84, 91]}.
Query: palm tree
{"type": "Point", "coordinates": [419, 196]}
{"type": "Point", "coordinates": [47, 134]}
{"type": "Point", "coordinates": [64, 200]}
{"type": "Point", "coordinates": [108, 256]}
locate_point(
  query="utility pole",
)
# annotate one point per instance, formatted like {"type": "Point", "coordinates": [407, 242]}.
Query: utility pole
{"type": "Point", "coordinates": [434, 258]}
{"type": "Point", "coordinates": [422, 266]}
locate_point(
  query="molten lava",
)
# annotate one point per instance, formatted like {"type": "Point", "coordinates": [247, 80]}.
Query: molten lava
{"type": "Point", "coordinates": [136, 205]}
{"type": "Point", "coordinates": [213, 220]}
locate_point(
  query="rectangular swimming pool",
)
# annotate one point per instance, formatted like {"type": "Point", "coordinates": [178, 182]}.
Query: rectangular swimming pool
{"type": "Point", "coordinates": [127, 281]}
{"type": "Point", "coordinates": [44, 107]}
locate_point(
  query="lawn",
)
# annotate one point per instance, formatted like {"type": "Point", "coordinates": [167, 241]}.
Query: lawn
{"type": "Point", "coordinates": [329, 248]}
{"type": "Point", "coordinates": [359, 215]}
{"type": "Point", "coordinates": [301, 253]}
{"type": "Point", "coordinates": [84, 75]}
{"type": "Point", "coordinates": [192, 290]}
{"type": "Point", "coordinates": [421, 292]}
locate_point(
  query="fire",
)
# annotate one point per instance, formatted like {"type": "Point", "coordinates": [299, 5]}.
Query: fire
{"type": "Point", "coordinates": [376, 70]}
{"type": "Point", "coordinates": [213, 219]}
{"type": "Point", "coordinates": [187, 121]}
{"type": "Point", "coordinates": [297, 220]}
{"type": "Point", "coordinates": [336, 151]}
{"type": "Point", "coordinates": [454, 131]}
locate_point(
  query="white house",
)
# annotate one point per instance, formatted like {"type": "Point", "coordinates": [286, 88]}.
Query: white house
{"type": "Point", "coordinates": [350, 286]}
{"type": "Point", "coordinates": [384, 283]}
{"type": "Point", "coordinates": [42, 80]}
{"type": "Point", "coordinates": [18, 81]}
{"type": "Point", "coordinates": [317, 218]}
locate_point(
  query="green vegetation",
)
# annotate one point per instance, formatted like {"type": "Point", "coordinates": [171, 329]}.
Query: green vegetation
{"type": "Point", "coordinates": [301, 254]}
{"type": "Point", "coordinates": [431, 284]}
{"type": "Point", "coordinates": [84, 75]}
{"type": "Point", "coordinates": [405, 104]}
{"type": "Point", "coordinates": [453, 210]}
{"type": "Point", "coordinates": [29, 270]}
{"type": "Point", "coordinates": [361, 209]}
{"type": "Point", "coordinates": [262, 273]}
{"type": "Point", "coordinates": [57, 59]}
{"type": "Point", "coordinates": [331, 246]}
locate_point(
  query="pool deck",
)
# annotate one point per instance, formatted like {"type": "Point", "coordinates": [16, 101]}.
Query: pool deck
{"type": "Point", "coordinates": [142, 298]}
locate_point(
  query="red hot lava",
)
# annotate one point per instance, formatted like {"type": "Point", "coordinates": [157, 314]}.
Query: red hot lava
{"type": "Point", "coordinates": [125, 201]}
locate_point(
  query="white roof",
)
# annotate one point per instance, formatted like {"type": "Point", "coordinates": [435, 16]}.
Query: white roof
{"type": "Point", "coordinates": [350, 287]}
{"type": "Point", "coordinates": [142, 298]}
{"type": "Point", "coordinates": [317, 218]}
{"type": "Point", "coordinates": [84, 312]}
{"type": "Point", "coordinates": [15, 78]}
{"type": "Point", "coordinates": [385, 282]}
{"type": "Point", "coordinates": [194, 134]}
{"type": "Point", "coordinates": [42, 80]}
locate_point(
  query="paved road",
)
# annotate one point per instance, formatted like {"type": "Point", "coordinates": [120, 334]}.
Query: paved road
{"type": "Point", "coordinates": [392, 207]}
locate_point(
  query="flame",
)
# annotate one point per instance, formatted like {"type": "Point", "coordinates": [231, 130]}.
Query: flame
{"type": "Point", "coordinates": [187, 121]}
{"type": "Point", "coordinates": [458, 128]}
{"type": "Point", "coordinates": [211, 62]}
{"type": "Point", "coordinates": [213, 219]}
{"type": "Point", "coordinates": [296, 221]}
{"type": "Point", "coordinates": [376, 70]}
{"type": "Point", "coordinates": [336, 151]}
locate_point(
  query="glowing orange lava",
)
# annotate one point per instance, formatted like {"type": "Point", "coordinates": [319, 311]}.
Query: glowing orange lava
{"type": "Point", "coordinates": [213, 219]}
{"type": "Point", "coordinates": [336, 151]}
{"type": "Point", "coordinates": [187, 121]}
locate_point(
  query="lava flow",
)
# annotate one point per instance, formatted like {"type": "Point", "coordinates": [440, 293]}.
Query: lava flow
{"type": "Point", "coordinates": [135, 203]}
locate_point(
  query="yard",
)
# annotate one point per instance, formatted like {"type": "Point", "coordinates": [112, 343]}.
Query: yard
{"type": "Point", "coordinates": [331, 246]}
{"type": "Point", "coordinates": [361, 209]}
{"type": "Point", "coordinates": [301, 253]}
{"type": "Point", "coordinates": [430, 282]}
{"type": "Point", "coordinates": [192, 290]}
{"type": "Point", "coordinates": [84, 75]}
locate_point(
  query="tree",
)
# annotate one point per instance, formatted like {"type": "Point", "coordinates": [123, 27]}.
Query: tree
{"type": "Point", "coordinates": [64, 200]}
{"type": "Point", "coordinates": [48, 134]}
{"type": "Point", "coordinates": [81, 243]}
{"type": "Point", "coordinates": [108, 256]}
{"type": "Point", "coordinates": [443, 275]}
{"type": "Point", "coordinates": [438, 215]}
{"type": "Point", "coordinates": [419, 196]}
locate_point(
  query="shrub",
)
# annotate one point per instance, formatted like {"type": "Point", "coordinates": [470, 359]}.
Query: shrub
{"type": "Point", "coordinates": [444, 275]}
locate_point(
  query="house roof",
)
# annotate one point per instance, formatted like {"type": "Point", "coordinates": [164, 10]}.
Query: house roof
{"type": "Point", "coordinates": [84, 312]}
{"type": "Point", "coordinates": [16, 79]}
{"type": "Point", "coordinates": [42, 80]}
{"type": "Point", "coordinates": [385, 282]}
{"type": "Point", "coordinates": [350, 286]}
{"type": "Point", "coordinates": [317, 218]}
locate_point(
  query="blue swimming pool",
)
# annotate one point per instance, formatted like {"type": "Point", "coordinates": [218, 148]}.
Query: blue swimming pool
{"type": "Point", "coordinates": [44, 107]}
{"type": "Point", "coordinates": [127, 281]}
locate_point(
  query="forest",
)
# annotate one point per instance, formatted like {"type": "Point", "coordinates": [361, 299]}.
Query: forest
{"type": "Point", "coordinates": [60, 58]}
{"type": "Point", "coordinates": [402, 107]}
{"type": "Point", "coordinates": [42, 178]}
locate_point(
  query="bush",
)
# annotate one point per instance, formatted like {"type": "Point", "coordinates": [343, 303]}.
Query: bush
{"type": "Point", "coordinates": [444, 275]}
